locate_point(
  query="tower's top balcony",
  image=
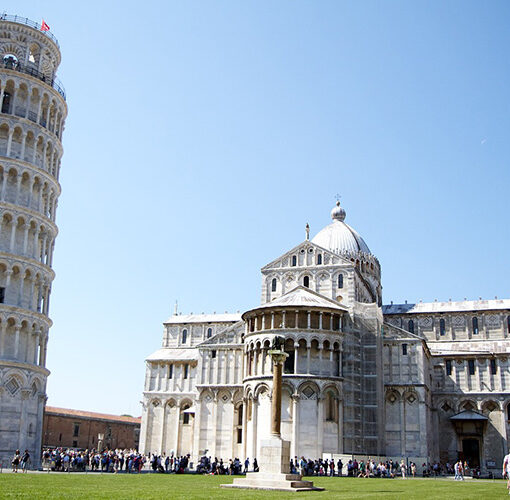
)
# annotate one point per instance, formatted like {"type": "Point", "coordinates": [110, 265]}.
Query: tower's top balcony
{"type": "Point", "coordinates": [10, 62]}
{"type": "Point", "coordinates": [31, 24]}
{"type": "Point", "coordinates": [29, 48]}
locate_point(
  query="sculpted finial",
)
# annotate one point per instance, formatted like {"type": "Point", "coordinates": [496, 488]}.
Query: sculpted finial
{"type": "Point", "coordinates": [307, 230]}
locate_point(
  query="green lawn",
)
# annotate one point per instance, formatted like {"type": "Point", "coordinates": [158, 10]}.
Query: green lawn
{"type": "Point", "coordinates": [146, 486]}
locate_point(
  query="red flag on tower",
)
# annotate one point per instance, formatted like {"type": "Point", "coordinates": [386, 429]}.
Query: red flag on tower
{"type": "Point", "coordinates": [44, 26]}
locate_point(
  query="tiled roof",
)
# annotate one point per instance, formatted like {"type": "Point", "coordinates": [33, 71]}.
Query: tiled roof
{"type": "Point", "coordinates": [67, 412]}
{"type": "Point", "coordinates": [169, 354]}
{"type": "Point", "coordinates": [302, 297]}
{"type": "Point", "coordinates": [202, 318]}
{"type": "Point", "coordinates": [438, 307]}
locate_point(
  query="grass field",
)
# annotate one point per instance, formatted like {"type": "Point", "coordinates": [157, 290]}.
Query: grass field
{"type": "Point", "coordinates": [147, 486]}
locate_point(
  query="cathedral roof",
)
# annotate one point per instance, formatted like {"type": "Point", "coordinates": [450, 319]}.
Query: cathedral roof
{"type": "Point", "coordinates": [172, 354]}
{"type": "Point", "coordinates": [302, 297]}
{"type": "Point", "coordinates": [451, 307]}
{"type": "Point", "coordinates": [203, 318]}
{"type": "Point", "coordinates": [339, 237]}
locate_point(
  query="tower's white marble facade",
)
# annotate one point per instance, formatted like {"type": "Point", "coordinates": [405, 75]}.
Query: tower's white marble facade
{"type": "Point", "coordinates": [360, 377]}
{"type": "Point", "coordinates": [32, 115]}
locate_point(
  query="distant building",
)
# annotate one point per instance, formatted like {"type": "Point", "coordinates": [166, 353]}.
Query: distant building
{"type": "Point", "coordinates": [67, 428]}
{"type": "Point", "coordinates": [424, 381]}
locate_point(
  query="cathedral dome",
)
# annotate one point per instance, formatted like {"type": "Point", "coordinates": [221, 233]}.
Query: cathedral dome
{"type": "Point", "coordinates": [339, 237]}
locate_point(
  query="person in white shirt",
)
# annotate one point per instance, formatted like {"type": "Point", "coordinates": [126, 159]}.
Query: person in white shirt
{"type": "Point", "coordinates": [506, 471]}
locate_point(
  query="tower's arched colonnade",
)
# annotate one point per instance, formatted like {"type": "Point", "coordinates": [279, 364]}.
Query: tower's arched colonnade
{"type": "Point", "coordinates": [32, 119]}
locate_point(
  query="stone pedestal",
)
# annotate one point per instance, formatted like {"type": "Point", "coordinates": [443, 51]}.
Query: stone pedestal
{"type": "Point", "coordinates": [274, 456]}
{"type": "Point", "coordinates": [274, 470]}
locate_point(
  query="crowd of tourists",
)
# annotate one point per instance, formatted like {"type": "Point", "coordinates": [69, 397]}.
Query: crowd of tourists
{"type": "Point", "coordinates": [131, 461]}
{"type": "Point", "coordinates": [67, 460]}
{"type": "Point", "coordinates": [353, 468]}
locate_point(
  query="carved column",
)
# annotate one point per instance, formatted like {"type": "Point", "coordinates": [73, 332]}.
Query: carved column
{"type": "Point", "coordinates": [340, 426]}
{"type": "Point", "coordinates": [254, 424]}
{"type": "Point", "coordinates": [245, 427]}
{"type": "Point", "coordinates": [3, 333]}
{"type": "Point", "coordinates": [296, 357]}
{"type": "Point", "coordinates": [197, 424]}
{"type": "Point", "coordinates": [320, 425]}
{"type": "Point", "coordinates": [295, 426]}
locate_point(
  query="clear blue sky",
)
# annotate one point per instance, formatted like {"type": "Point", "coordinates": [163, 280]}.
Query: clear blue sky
{"type": "Point", "coordinates": [203, 135]}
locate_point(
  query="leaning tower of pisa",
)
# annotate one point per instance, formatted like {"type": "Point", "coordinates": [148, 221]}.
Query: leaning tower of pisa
{"type": "Point", "coordinates": [32, 115]}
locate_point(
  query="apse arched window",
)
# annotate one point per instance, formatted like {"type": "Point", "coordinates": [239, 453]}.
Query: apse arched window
{"type": "Point", "coordinates": [442, 326]}
{"type": "Point", "coordinates": [410, 325]}
{"type": "Point", "coordinates": [185, 415]}
{"type": "Point", "coordinates": [475, 325]}
{"type": "Point", "coordinates": [273, 285]}
{"type": "Point", "coordinates": [508, 412]}
{"type": "Point", "coordinates": [330, 407]}
{"type": "Point", "coordinates": [319, 258]}
{"type": "Point", "coordinates": [209, 333]}
{"type": "Point", "coordinates": [306, 282]}
{"type": "Point", "coordinates": [471, 366]}
{"type": "Point", "coordinates": [508, 324]}
{"type": "Point", "coordinates": [493, 367]}
{"type": "Point", "coordinates": [340, 281]}
{"type": "Point", "coordinates": [294, 261]}
{"type": "Point", "coordinates": [184, 336]}
{"type": "Point", "coordinates": [448, 365]}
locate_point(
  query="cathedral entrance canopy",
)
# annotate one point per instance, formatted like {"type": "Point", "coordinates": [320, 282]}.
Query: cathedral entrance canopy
{"type": "Point", "coordinates": [469, 422]}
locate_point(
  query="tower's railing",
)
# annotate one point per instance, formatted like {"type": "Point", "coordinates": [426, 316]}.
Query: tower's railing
{"type": "Point", "coordinates": [28, 22]}
{"type": "Point", "coordinates": [53, 82]}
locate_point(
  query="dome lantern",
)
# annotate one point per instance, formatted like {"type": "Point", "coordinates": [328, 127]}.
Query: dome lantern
{"type": "Point", "coordinates": [338, 213]}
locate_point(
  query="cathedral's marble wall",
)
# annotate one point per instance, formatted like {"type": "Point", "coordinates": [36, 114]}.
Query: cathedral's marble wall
{"type": "Point", "coordinates": [171, 376]}
{"type": "Point", "coordinates": [469, 370]}
{"type": "Point", "coordinates": [407, 406]}
{"type": "Point", "coordinates": [404, 362]}
{"type": "Point", "coordinates": [322, 279]}
{"type": "Point", "coordinates": [406, 418]}
{"type": "Point", "coordinates": [456, 326]}
{"type": "Point", "coordinates": [192, 334]}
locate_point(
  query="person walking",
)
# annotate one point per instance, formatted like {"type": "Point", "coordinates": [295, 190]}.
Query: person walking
{"type": "Point", "coordinates": [506, 471]}
{"type": "Point", "coordinates": [340, 466]}
{"type": "Point", "coordinates": [413, 469]}
{"type": "Point", "coordinates": [403, 469]}
{"type": "Point", "coordinates": [25, 460]}
{"type": "Point", "coordinates": [15, 461]}
{"type": "Point", "coordinates": [458, 471]}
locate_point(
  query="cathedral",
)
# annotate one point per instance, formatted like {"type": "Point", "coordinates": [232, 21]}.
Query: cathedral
{"type": "Point", "coordinates": [427, 382]}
